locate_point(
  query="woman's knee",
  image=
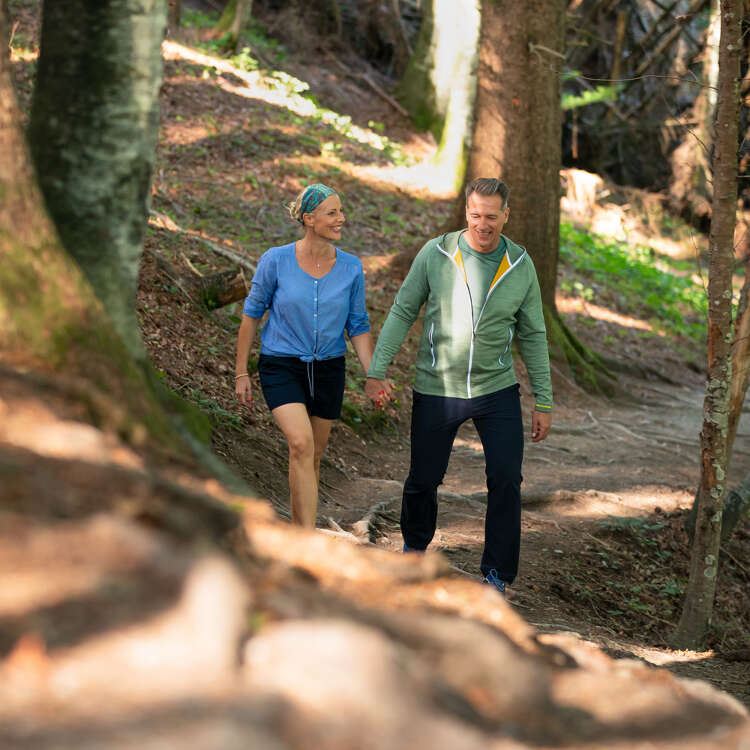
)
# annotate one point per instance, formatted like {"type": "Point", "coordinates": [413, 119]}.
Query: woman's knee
{"type": "Point", "coordinates": [301, 447]}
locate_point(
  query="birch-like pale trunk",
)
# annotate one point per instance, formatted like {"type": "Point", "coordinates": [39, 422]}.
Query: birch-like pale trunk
{"type": "Point", "coordinates": [439, 85]}
{"type": "Point", "coordinates": [93, 131]}
{"type": "Point", "coordinates": [704, 562]}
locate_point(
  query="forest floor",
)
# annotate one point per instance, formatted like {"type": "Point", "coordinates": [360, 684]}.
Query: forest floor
{"type": "Point", "coordinates": [604, 553]}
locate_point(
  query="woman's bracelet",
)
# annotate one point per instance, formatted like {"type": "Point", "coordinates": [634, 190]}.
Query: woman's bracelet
{"type": "Point", "coordinates": [241, 375]}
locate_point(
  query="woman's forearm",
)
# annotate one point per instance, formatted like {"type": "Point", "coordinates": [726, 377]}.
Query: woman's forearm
{"type": "Point", "coordinates": [245, 338]}
{"type": "Point", "coordinates": [363, 346]}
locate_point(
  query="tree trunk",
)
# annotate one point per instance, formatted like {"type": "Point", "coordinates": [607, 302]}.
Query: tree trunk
{"type": "Point", "coordinates": [699, 596]}
{"type": "Point", "coordinates": [4, 26]}
{"type": "Point", "coordinates": [234, 21]}
{"type": "Point", "coordinates": [94, 143]}
{"type": "Point", "coordinates": [740, 360]}
{"type": "Point", "coordinates": [736, 508]}
{"type": "Point", "coordinates": [50, 319]}
{"type": "Point", "coordinates": [174, 14]}
{"type": "Point", "coordinates": [518, 121]}
{"type": "Point", "coordinates": [690, 186]}
{"type": "Point", "coordinates": [517, 137]}
{"type": "Point", "coordinates": [439, 85]}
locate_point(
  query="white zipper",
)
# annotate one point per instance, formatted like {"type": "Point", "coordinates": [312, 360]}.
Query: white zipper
{"type": "Point", "coordinates": [507, 347]}
{"type": "Point", "coordinates": [479, 317]}
{"type": "Point", "coordinates": [432, 348]}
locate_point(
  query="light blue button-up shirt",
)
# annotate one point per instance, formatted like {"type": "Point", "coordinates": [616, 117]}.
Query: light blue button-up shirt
{"type": "Point", "coordinates": [307, 316]}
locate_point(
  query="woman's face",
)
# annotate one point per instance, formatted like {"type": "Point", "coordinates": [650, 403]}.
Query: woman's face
{"type": "Point", "coordinates": [327, 219]}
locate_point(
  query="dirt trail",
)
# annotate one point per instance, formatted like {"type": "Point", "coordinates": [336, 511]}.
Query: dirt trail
{"type": "Point", "coordinates": [603, 549]}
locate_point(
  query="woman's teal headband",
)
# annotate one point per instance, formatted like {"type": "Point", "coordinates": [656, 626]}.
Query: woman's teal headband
{"type": "Point", "coordinates": [313, 196]}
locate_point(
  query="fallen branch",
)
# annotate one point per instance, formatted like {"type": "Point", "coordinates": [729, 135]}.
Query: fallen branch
{"type": "Point", "coordinates": [735, 561]}
{"type": "Point", "coordinates": [167, 223]}
{"type": "Point", "coordinates": [374, 86]}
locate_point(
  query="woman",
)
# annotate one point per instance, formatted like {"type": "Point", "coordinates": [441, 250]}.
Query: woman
{"type": "Point", "coordinates": [314, 293]}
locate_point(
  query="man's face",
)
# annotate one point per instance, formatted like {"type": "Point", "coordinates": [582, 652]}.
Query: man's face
{"type": "Point", "coordinates": [485, 218]}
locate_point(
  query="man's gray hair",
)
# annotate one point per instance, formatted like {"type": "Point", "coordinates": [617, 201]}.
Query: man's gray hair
{"type": "Point", "coordinates": [488, 186]}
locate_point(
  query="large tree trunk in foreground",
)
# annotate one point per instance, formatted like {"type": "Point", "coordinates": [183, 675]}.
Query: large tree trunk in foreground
{"type": "Point", "coordinates": [701, 588]}
{"type": "Point", "coordinates": [439, 85]}
{"type": "Point", "coordinates": [50, 320]}
{"type": "Point", "coordinates": [93, 133]}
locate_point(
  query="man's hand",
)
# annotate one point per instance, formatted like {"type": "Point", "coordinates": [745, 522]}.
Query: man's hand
{"type": "Point", "coordinates": [380, 392]}
{"type": "Point", "coordinates": [540, 424]}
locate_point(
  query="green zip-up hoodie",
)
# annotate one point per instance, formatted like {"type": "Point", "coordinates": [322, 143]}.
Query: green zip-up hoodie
{"type": "Point", "coordinates": [458, 356]}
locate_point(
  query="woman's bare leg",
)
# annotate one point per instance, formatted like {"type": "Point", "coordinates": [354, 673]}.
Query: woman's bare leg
{"type": "Point", "coordinates": [296, 425]}
{"type": "Point", "coordinates": [321, 431]}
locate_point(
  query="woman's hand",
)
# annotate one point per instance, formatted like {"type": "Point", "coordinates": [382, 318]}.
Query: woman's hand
{"type": "Point", "coordinates": [244, 389]}
{"type": "Point", "coordinates": [380, 392]}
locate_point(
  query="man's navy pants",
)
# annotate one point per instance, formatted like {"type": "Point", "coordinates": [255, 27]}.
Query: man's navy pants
{"type": "Point", "coordinates": [434, 423]}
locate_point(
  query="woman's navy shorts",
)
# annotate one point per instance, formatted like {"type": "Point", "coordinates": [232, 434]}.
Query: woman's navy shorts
{"type": "Point", "coordinates": [319, 384]}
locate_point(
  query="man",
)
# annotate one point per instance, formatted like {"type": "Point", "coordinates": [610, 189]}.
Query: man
{"type": "Point", "coordinates": [480, 291]}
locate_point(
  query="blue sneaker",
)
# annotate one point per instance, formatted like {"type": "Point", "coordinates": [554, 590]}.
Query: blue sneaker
{"type": "Point", "coordinates": [493, 580]}
{"type": "Point", "coordinates": [407, 548]}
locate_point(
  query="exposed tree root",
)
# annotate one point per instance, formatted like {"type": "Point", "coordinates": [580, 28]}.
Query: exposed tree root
{"type": "Point", "coordinates": [587, 367]}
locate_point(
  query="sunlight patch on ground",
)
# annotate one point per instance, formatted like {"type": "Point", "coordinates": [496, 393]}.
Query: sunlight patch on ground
{"type": "Point", "coordinates": [624, 503]}
{"type": "Point", "coordinates": [280, 91]}
{"type": "Point", "coordinates": [424, 177]}
{"type": "Point", "coordinates": [474, 445]}
{"type": "Point", "coordinates": [660, 657]}
{"type": "Point", "coordinates": [568, 305]}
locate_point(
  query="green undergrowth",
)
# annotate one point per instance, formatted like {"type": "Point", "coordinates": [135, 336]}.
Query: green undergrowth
{"type": "Point", "coordinates": [632, 277]}
{"type": "Point", "coordinates": [258, 53]}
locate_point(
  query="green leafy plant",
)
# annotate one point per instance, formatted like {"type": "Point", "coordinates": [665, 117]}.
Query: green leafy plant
{"type": "Point", "coordinates": [662, 291]}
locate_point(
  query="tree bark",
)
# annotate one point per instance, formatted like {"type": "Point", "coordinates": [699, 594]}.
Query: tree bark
{"type": "Point", "coordinates": [4, 26]}
{"type": "Point", "coordinates": [174, 14]}
{"type": "Point", "coordinates": [736, 508]}
{"type": "Point", "coordinates": [93, 131]}
{"type": "Point", "coordinates": [517, 137]}
{"type": "Point", "coordinates": [701, 588]}
{"type": "Point", "coordinates": [740, 360]}
{"type": "Point", "coordinates": [234, 21]}
{"type": "Point", "coordinates": [439, 85]}
{"type": "Point", "coordinates": [50, 320]}
{"type": "Point", "coordinates": [517, 127]}
{"type": "Point", "coordinates": [690, 185]}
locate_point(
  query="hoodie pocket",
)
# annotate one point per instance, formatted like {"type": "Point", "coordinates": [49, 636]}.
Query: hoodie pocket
{"type": "Point", "coordinates": [432, 344]}
{"type": "Point", "coordinates": [502, 358]}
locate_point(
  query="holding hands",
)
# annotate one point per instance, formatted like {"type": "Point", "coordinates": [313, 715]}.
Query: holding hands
{"type": "Point", "coordinates": [380, 392]}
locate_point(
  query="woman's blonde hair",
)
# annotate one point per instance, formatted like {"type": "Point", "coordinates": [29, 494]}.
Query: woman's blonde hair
{"type": "Point", "coordinates": [295, 207]}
